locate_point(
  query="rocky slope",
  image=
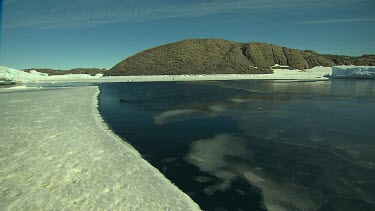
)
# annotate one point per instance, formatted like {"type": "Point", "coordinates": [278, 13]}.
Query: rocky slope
{"type": "Point", "coordinates": [216, 56]}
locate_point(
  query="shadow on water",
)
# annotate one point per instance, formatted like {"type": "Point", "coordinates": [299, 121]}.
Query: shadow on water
{"type": "Point", "coordinates": [254, 145]}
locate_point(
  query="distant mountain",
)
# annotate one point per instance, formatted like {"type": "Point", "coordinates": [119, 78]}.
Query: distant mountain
{"type": "Point", "coordinates": [90, 71]}
{"type": "Point", "coordinates": [215, 56]}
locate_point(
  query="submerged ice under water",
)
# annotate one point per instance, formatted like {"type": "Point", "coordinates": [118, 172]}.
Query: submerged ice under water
{"type": "Point", "coordinates": [254, 145]}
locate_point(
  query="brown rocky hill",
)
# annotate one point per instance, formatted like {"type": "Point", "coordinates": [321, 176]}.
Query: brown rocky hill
{"type": "Point", "coordinates": [217, 56]}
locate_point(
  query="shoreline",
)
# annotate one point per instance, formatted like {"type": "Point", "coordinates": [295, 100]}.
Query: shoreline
{"type": "Point", "coordinates": [61, 158]}
{"type": "Point", "coordinates": [316, 73]}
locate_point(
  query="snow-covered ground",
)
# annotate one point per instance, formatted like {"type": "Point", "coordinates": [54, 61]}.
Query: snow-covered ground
{"type": "Point", "coordinates": [56, 153]}
{"type": "Point", "coordinates": [316, 73]}
{"type": "Point", "coordinates": [285, 74]}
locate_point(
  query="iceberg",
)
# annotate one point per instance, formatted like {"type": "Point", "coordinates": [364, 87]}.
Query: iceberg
{"type": "Point", "coordinates": [353, 72]}
{"type": "Point", "coordinates": [9, 75]}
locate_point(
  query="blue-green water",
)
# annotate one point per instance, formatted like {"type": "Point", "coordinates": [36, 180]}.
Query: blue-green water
{"type": "Point", "coordinates": [254, 145]}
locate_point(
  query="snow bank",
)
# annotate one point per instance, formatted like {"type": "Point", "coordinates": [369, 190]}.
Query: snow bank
{"type": "Point", "coordinates": [280, 73]}
{"type": "Point", "coordinates": [38, 73]}
{"type": "Point", "coordinates": [73, 76]}
{"type": "Point", "coordinates": [315, 73]}
{"type": "Point", "coordinates": [353, 72]}
{"type": "Point", "coordinates": [57, 154]}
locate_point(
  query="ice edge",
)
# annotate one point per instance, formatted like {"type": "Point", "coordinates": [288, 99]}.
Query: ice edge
{"type": "Point", "coordinates": [103, 126]}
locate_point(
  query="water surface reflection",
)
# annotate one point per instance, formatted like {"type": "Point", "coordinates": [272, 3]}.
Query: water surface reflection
{"type": "Point", "coordinates": [254, 145]}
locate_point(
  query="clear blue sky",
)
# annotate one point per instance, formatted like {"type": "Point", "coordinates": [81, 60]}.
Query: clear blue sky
{"type": "Point", "coordinates": [100, 33]}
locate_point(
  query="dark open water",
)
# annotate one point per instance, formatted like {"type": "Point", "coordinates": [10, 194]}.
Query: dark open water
{"type": "Point", "coordinates": [254, 145]}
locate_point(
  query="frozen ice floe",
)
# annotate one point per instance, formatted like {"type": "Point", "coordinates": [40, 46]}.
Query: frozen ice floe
{"type": "Point", "coordinates": [56, 153]}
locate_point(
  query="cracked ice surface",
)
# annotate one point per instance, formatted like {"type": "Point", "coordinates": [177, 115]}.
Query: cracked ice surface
{"type": "Point", "coordinates": [56, 153]}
